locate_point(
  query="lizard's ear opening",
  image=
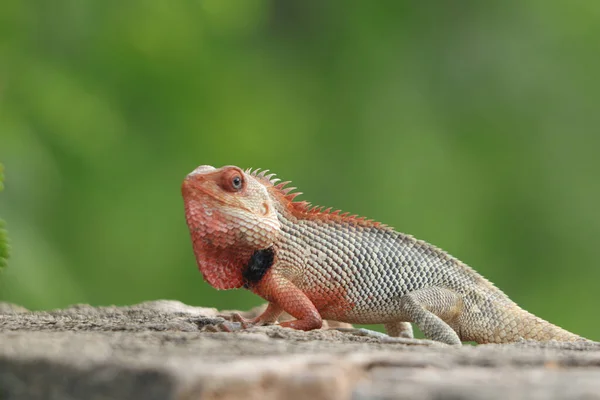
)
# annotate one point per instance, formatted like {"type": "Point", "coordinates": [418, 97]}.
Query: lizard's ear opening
{"type": "Point", "coordinates": [264, 209]}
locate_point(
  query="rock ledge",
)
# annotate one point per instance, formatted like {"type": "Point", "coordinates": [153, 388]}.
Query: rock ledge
{"type": "Point", "coordinates": [158, 350]}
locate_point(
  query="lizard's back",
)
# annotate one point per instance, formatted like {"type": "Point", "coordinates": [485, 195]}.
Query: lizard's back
{"type": "Point", "coordinates": [360, 273]}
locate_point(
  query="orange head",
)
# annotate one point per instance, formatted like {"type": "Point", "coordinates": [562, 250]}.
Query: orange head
{"type": "Point", "coordinates": [230, 215]}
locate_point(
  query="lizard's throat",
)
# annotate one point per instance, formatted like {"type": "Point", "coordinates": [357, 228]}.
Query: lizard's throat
{"type": "Point", "coordinates": [222, 250]}
{"type": "Point", "coordinates": [222, 268]}
{"type": "Point", "coordinates": [219, 260]}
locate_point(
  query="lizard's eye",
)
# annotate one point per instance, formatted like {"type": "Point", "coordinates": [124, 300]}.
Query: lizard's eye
{"type": "Point", "coordinates": [233, 180]}
{"type": "Point", "coordinates": [236, 182]}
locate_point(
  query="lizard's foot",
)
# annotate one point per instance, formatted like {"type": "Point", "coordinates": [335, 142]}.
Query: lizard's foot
{"type": "Point", "coordinates": [415, 342]}
{"type": "Point", "coordinates": [362, 332]}
{"type": "Point", "coordinates": [234, 322]}
{"type": "Point", "coordinates": [389, 339]}
{"type": "Point", "coordinates": [236, 318]}
{"type": "Point", "coordinates": [225, 326]}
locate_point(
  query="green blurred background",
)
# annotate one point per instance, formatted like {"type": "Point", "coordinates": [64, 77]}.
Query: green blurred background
{"type": "Point", "coordinates": [472, 125]}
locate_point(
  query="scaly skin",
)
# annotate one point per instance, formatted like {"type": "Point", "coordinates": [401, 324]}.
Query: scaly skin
{"type": "Point", "coordinates": [316, 264]}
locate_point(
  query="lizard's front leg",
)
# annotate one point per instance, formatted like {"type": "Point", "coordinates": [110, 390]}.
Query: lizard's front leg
{"type": "Point", "coordinates": [280, 291]}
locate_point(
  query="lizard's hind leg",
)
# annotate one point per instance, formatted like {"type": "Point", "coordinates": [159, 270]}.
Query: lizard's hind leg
{"type": "Point", "coordinates": [430, 308]}
{"type": "Point", "coordinates": [399, 329]}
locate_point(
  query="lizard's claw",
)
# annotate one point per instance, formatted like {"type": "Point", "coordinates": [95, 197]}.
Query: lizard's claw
{"type": "Point", "coordinates": [245, 323]}
{"type": "Point", "coordinates": [225, 326]}
{"type": "Point", "coordinates": [237, 318]}
{"type": "Point", "coordinates": [234, 322]}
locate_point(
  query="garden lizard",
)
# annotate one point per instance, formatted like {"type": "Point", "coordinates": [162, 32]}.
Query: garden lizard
{"type": "Point", "coordinates": [248, 231]}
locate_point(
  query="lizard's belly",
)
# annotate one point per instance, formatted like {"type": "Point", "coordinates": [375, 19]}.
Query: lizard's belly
{"type": "Point", "coordinates": [365, 314]}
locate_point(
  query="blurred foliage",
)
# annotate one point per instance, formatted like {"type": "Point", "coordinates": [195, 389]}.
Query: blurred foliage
{"type": "Point", "coordinates": [469, 124]}
{"type": "Point", "coordinates": [3, 235]}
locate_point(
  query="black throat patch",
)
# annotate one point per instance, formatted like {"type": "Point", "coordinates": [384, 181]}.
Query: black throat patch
{"type": "Point", "coordinates": [257, 266]}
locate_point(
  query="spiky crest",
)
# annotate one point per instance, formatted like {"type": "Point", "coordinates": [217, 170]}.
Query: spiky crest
{"type": "Point", "coordinates": [304, 209]}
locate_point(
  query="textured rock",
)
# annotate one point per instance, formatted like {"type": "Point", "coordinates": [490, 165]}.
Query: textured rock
{"type": "Point", "coordinates": [157, 350]}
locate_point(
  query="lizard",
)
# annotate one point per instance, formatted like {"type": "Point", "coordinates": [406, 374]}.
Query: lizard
{"type": "Point", "coordinates": [247, 230]}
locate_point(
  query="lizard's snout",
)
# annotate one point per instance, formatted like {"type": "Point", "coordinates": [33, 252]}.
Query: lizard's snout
{"type": "Point", "coordinates": [194, 181]}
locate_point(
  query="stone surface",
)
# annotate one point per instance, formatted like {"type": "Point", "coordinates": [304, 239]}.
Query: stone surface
{"type": "Point", "coordinates": [161, 350]}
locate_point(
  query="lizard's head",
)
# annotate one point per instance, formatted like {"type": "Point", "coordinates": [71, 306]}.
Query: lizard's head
{"type": "Point", "coordinates": [230, 215]}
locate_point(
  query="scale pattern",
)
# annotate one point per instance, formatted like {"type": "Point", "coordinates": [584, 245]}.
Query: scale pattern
{"type": "Point", "coordinates": [366, 273]}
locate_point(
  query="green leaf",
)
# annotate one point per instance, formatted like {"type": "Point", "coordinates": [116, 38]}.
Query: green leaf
{"type": "Point", "coordinates": [4, 248]}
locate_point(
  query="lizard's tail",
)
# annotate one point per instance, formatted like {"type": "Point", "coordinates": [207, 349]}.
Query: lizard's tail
{"type": "Point", "coordinates": [506, 322]}
{"type": "Point", "coordinates": [531, 327]}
